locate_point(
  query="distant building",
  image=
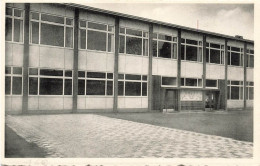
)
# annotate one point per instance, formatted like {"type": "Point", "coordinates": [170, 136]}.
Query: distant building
{"type": "Point", "coordinates": [74, 58]}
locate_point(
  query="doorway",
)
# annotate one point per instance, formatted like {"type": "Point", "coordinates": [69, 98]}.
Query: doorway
{"type": "Point", "coordinates": [170, 100]}
{"type": "Point", "coordinates": [211, 99]}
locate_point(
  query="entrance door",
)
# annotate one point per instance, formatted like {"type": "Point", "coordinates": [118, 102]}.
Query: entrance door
{"type": "Point", "coordinates": [170, 101]}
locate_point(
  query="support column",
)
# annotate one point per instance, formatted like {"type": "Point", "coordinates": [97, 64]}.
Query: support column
{"type": "Point", "coordinates": [179, 70]}
{"type": "Point", "coordinates": [226, 73]}
{"type": "Point", "coordinates": [204, 70]}
{"type": "Point", "coordinates": [115, 102]}
{"type": "Point", "coordinates": [26, 58]}
{"type": "Point", "coordinates": [75, 65]}
{"type": "Point", "coordinates": [245, 73]}
{"type": "Point", "coordinates": [150, 67]}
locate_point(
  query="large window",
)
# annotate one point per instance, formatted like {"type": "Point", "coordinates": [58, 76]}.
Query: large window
{"type": "Point", "coordinates": [169, 81]}
{"type": "Point", "coordinates": [96, 36]}
{"type": "Point", "coordinates": [95, 83]}
{"type": "Point", "coordinates": [132, 85]}
{"type": "Point", "coordinates": [211, 83]}
{"type": "Point", "coordinates": [250, 91]}
{"type": "Point", "coordinates": [235, 90]}
{"type": "Point", "coordinates": [51, 30]}
{"type": "Point", "coordinates": [50, 82]}
{"type": "Point", "coordinates": [250, 58]}
{"type": "Point", "coordinates": [191, 50]}
{"type": "Point", "coordinates": [133, 42]}
{"type": "Point", "coordinates": [215, 53]}
{"type": "Point", "coordinates": [191, 82]}
{"type": "Point", "coordinates": [164, 46]}
{"type": "Point", "coordinates": [14, 25]}
{"type": "Point", "coordinates": [235, 56]}
{"type": "Point", "coordinates": [13, 80]}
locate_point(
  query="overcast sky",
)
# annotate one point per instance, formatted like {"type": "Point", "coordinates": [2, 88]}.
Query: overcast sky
{"type": "Point", "coordinates": [229, 19]}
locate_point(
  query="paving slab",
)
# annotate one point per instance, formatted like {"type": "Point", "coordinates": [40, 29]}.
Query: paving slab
{"type": "Point", "coordinates": [96, 136]}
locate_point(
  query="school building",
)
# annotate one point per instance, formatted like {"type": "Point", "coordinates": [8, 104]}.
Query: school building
{"type": "Point", "coordinates": [75, 58]}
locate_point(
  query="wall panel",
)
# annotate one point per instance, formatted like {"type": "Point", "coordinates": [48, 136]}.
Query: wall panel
{"type": "Point", "coordinates": [34, 56]}
{"type": "Point", "coordinates": [81, 102]}
{"type": "Point", "coordinates": [250, 74]}
{"type": "Point", "coordinates": [235, 104]}
{"type": "Point", "coordinates": [96, 61]}
{"type": "Point", "coordinates": [191, 69]}
{"type": "Point", "coordinates": [51, 57]}
{"type": "Point", "coordinates": [133, 102]}
{"type": "Point", "coordinates": [17, 103]}
{"type": "Point", "coordinates": [134, 24]}
{"type": "Point", "coordinates": [235, 73]}
{"type": "Point", "coordinates": [67, 102]}
{"type": "Point", "coordinates": [94, 102]}
{"type": "Point", "coordinates": [33, 103]}
{"type": "Point", "coordinates": [50, 102]}
{"type": "Point", "coordinates": [68, 64]}
{"type": "Point", "coordinates": [8, 103]}
{"type": "Point", "coordinates": [17, 54]}
{"type": "Point", "coordinates": [82, 62]}
{"type": "Point", "coordinates": [8, 54]}
{"type": "Point", "coordinates": [215, 71]}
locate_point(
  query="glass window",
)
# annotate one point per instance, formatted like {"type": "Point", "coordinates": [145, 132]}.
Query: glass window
{"type": "Point", "coordinates": [144, 89]}
{"type": "Point", "coordinates": [169, 81]}
{"type": "Point", "coordinates": [18, 30]}
{"type": "Point", "coordinates": [133, 45]}
{"type": "Point", "coordinates": [110, 75]}
{"type": "Point", "coordinates": [51, 86]}
{"type": "Point", "coordinates": [214, 56]}
{"type": "Point", "coordinates": [96, 75]}
{"type": "Point", "coordinates": [35, 32]}
{"type": "Point", "coordinates": [133, 32]}
{"type": "Point", "coordinates": [81, 74]}
{"type": "Point", "coordinates": [17, 70]}
{"type": "Point", "coordinates": [50, 72]}
{"type": "Point", "coordinates": [33, 85]}
{"type": "Point", "coordinates": [7, 85]}
{"type": "Point", "coordinates": [96, 40]}
{"type": "Point", "coordinates": [95, 87]}
{"type": "Point", "coordinates": [154, 44]}
{"type": "Point", "coordinates": [132, 88]}
{"type": "Point", "coordinates": [51, 18]}
{"type": "Point", "coordinates": [164, 49]}
{"type": "Point", "coordinates": [235, 59]}
{"type": "Point", "coordinates": [68, 87]}
{"type": "Point", "coordinates": [8, 70]}
{"type": "Point", "coordinates": [8, 29]}
{"type": "Point", "coordinates": [121, 44]}
{"type": "Point", "coordinates": [82, 34]}
{"type": "Point", "coordinates": [97, 26]}
{"type": "Point", "coordinates": [109, 87]}
{"type": "Point", "coordinates": [211, 83]}
{"type": "Point", "coordinates": [17, 85]}
{"type": "Point", "coordinates": [191, 53]}
{"type": "Point", "coordinates": [52, 35]}
{"type": "Point", "coordinates": [81, 87]}
{"type": "Point", "coordinates": [69, 37]}
{"type": "Point", "coordinates": [35, 16]}
{"type": "Point", "coordinates": [251, 93]}
{"type": "Point", "coordinates": [8, 11]}
{"type": "Point", "coordinates": [191, 82]}
{"type": "Point", "coordinates": [234, 92]}
{"type": "Point", "coordinates": [120, 88]}
{"type": "Point", "coordinates": [132, 77]}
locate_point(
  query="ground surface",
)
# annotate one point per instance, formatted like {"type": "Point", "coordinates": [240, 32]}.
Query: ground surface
{"type": "Point", "coordinates": [234, 124]}
{"type": "Point", "coordinates": [87, 135]}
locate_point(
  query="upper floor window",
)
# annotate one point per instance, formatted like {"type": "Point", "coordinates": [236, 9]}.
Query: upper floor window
{"type": "Point", "coordinates": [164, 46]}
{"type": "Point", "coordinates": [133, 42]}
{"type": "Point", "coordinates": [215, 53]}
{"type": "Point", "coordinates": [235, 56]}
{"type": "Point", "coordinates": [96, 36]}
{"type": "Point", "coordinates": [51, 30]}
{"type": "Point", "coordinates": [14, 25]}
{"type": "Point", "coordinates": [250, 58]}
{"type": "Point", "coordinates": [191, 82]}
{"type": "Point", "coordinates": [191, 50]}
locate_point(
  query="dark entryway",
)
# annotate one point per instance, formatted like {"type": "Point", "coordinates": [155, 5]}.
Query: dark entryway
{"type": "Point", "coordinates": [212, 99]}
{"type": "Point", "coordinates": [170, 100]}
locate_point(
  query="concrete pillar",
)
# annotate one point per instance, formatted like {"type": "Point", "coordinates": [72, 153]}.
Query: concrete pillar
{"type": "Point", "coordinates": [115, 103]}
{"type": "Point", "coordinates": [204, 70]}
{"type": "Point", "coordinates": [226, 72]}
{"type": "Point", "coordinates": [26, 58]}
{"type": "Point", "coordinates": [179, 70]}
{"type": "Point", "coordinates": [75, 65]}
{"type": "Point", "coordinates": [245, 73]}
{"type": "Point", "coordinates": [150, 67]}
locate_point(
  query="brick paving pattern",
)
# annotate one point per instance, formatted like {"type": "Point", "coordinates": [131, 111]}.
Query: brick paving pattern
{"type": "Point", "coordinates": [87, 135]}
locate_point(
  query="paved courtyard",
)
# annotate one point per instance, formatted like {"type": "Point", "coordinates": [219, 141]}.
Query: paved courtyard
{"type": "Point", "coordinates": [88, 135]}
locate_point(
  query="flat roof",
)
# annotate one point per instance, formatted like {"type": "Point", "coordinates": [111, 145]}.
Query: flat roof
{"type": "Point", "coordinates": [155, 22]}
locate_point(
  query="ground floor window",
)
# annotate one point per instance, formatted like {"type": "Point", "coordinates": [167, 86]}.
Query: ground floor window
{"type": "Point", "coordinates": [95, 83]}
{"type": "Point", "coordinates": [211, 83]}
{"type": "Point", "coordinates": [50, 82]}
{"type": "Point", "coordinates": [132, 85]}
{"type": "Point", "coordinates": [191, 82]}
{"type": "Point", "coordinates": [169, 81]}
{"type": "Point", "coordinates": [235, 90]}
{"type": "Point", "coordinates": [13, 80]}
{"type": "Point", "coordinates": [250, 91]}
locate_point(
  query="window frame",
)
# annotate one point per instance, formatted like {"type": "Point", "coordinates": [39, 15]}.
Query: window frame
{"type": "Point", "coordinates": [247, 87]}
{"type": "Point", "coordinates": [173, 41]}
{"type": "Point", "coordinates": [11, 84]}
{"type": "Point", "coordinates": [39, 76]}
{"type": "Point", "coordinates": [221, 49]}
{"type": "Point", "coordinates": [249, 55]}
{"type": "Point", "coordinates": [39, 21]}
{"type": "Point", "coordinates": [192, 86]}
{"type": "Point", "coordinates": [241, 56]}
{"type": "Point", "coordinates": [13, 18]}
{"type": "Point", "coordinates": [143, 37]}
{"type": "Point", "coordinates": [169, 85]}
{"type": "Point", "coordinates": [241, 85]}
{"type": "Point", "coordinates": [208, 87]}
{"type": "Point", "coordinates": [198, 46]}
{"type": "Point", "coordinates": [86, 28]}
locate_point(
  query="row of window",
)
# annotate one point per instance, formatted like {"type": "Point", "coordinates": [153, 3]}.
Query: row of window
{"type": "Point", "coordinates": [46, 29]}
{"type": "Point", "coordinates": [236, 90]}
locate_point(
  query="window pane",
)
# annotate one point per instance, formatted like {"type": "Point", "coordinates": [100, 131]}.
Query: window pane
{"type": "Point", "coordinates": [109, 87]}
{"type": "Point", "coordinates": [215, 56]}
{"type": "Point", "coordinates": [189, 41]}
{"type": "Point", "coordinates": [133, 45]}
{"type": "Point", "coordinates": [120, 88]}
{"type": "Point", "coordinates": [69, 21]}
{"type": "Point", "coordinates": [164, 37]}
{"type": "Point", "coordinates": [81, 74]}
{"type": "Point", "coordinates": [18, 30]}
{"type": "Point", "coordinates": [251, 61]}
{"type": "Point", "coordinates": [18, 13]}
{"type": "Point", "coordinates": [132, 88]}
{"type": "Point", "coordinates": [82, 34]}
{"type": "Point", "coordinates": [121, 76]}
{"type": "Point", "coordinates": [191, 82]}
{"type": "Point", "coordinates": [154, 44]}
{"type": "Point", "coordinates": [51, 86]}
{"type": "Point", "coordinates": [199, 82]}
{"type": "Point", "coordinates": [241, 94]}
{"type": "Point", "coordinates": [234, 92]}
{"type": "Point", "coordinates": [110, 43]}
{"type": "Point", "coordinates": [17, 70]}
{"type": "Point", "coordinates": [182, 81]}
{"type": "Point", "coordinates": [251, 93]}
{"type": "Point", "coordinates": [50, 72]}
{"type": "Point", "coordinates": [211, 83]}
{"type": "Point", "coordinates": [145, 47]}
{"type": "Point", "coordinates": [55, 19]}
{"type": "Point", "coordinates": [97, 26]}
{"type": "Point", "coordinates": [191, 53]}
{"type": "Point", "coordinates": [121, 44]}
{"type": "Point", "coordinates": [174, 51]}
{"type": "Point", "coordinates": [68, 73]}
{"type": "Point", "coordinates": [133, 32]}
{"type": "Point", "coordinates": [144, 89]}
{"type": "Point", "coordinates": [52, 35]}
{"type": "Point", "coordinates": [199, 54]}
{"type": "Point", "coordinates": [109, 75]}
{"type": "Point", "coordinates": [228, 92]}
{"type": "Point", "coordinates": [207, 55]}
{"type": "Point", "coordinates": [33, 71]}
{"type": "Point", "coordinates": [235, 59]}
{"type": "Point", "coordinates": [235, 49]}
{"type": "Point", "coordinates": [35, 32]}
{"type": "Point", "coordinates": [132, 77]}
{"type": "Point", "coordinates": [96, 40]}
{"type": "Point", "coordinates": [182, 52]}
{"type": "Point", "coordinates": [122, 30]}
{"type": "Point", "coordinates": [95, 87]}
{"type": "Point", "coordinates": [144, 78]}
{"type": "Point", "coordinates": [83, 24]}
{"type": "Point", "coordinates": [9, 11]}
{"type": "Point", "coordinates": [7, 70]}
{"type": "Point", "coordinates": [81, 87]}
{"type": "Point", "coordinates": [68, 87]}
{"type": "Point", "coordinates": [164, 49]}
{"type": "Point", "coordinates": [110, 28]}
{"type": "Point", "coordinates": [35, 16]}
{"type": "Point", "coordinates": [169, 81]}
{"type": "Point", "coordinates": [7, 85]}
{"type": "Point", "coordinates": [33, 85]}
{"type": "Point", "coordinates": [8, 29]}
{"type": "Point", "coordinates": [212, 45]}
{"type": "Point", "coordinates": [96, 75]}
{"type": "Point", "coordinates": [17, 85]}
{"type": "Point", "coordinates": [69, 37]}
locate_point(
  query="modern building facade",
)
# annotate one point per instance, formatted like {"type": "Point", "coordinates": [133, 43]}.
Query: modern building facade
{"type": "Point", "coordinates": [74, 58]}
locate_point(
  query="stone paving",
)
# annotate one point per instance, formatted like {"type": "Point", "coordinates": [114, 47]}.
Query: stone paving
{"type": "Point", "coordinates": [95, 136]}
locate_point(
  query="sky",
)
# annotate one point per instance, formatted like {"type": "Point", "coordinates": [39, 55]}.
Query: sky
{"type": "Point", "coordinates": [228, 19]}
